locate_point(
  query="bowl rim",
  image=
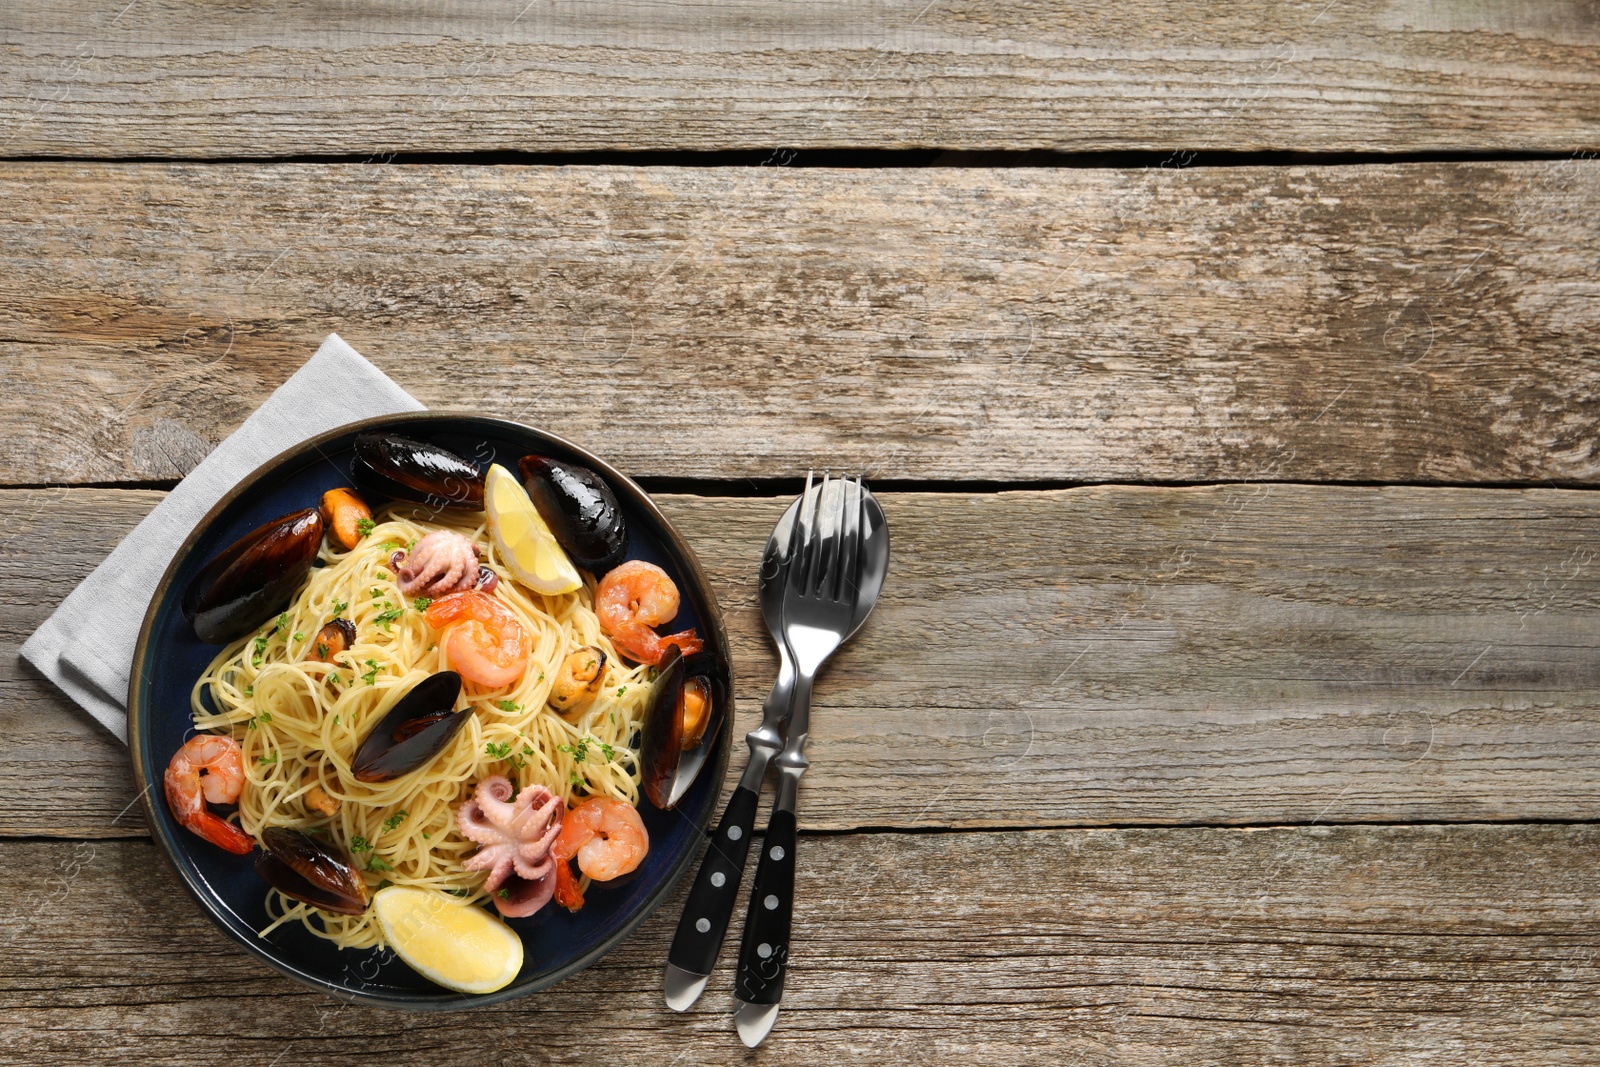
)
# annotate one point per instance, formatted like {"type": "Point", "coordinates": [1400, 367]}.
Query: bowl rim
{"type": "Point", "coordinates": [445, 1000]}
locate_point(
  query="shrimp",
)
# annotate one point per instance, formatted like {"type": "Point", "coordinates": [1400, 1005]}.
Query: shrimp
{"type": "Point", "coordinates": [609, 840]}
{"type": "Point", "coordinates": [632, 599]}
{"type": "Point", "coordinates": [208, 767]}
{"type": "Point", "coordinates": [485, 643]}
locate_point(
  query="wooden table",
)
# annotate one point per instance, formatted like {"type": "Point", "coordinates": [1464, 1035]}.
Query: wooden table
{"type": "Point", "coordinates": [1229, 372]}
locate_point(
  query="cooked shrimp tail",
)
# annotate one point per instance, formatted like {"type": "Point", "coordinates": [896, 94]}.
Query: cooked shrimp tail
{"type": "Point", "coordinates": [607, 837]}
{"type": "Point", "coordinates": [631, 601]}
{"type": "Point", "coordinates": [485, 643]}
{"type": "Point", "coordinates": [209, 767]}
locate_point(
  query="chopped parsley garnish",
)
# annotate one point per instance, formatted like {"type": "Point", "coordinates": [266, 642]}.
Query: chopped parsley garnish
{"type": "Point", "coordinates": [511, 707]}
{"type": "Point", "coordinates": [621, 689]}
{"type": "Point", "coordinates": [336, 720]}
{"type": "Point", "coordinates": [364, 526]}
{"type": "Point", "coordinates": [261, 650]}
{"type": "Point", "coordinates": [298, 636]}
{"type": "Point", "coordinates": [388, 615]}
{"type": "Point", "coordinates": [427, 836]}
{"type": "Point", "coordinates": [382, 576]}
{"type": "Point", "coordinates": [371, 677]}
{"type": "Point", "coordinates": [249, 690]}
{"type": "Point", "coordinates": [322, 650]}
{"type": "Point", "coordinates": [283, 622]}
{"type": "Point", "coordinates": [394, 820]}
{"type": "Point", "coordinates": [267, 760]}
{"type": "Point", "coordinates": [360, 844]}
{"type": "Point", "coordinates": [422, 602]}
{"type": "Point", "coordinates": [580, 751]}
{"type": "Point", "coordinates": [265, 716]}
{"type": "Point", "coordinates": [503, 894]}
{"type": "Point", "coordinates": [376, 864]}
{"type": "Point", "coordinates": [498, 749]}
{"type": "Point", "coordinates": [377, 593]}
{"type": "Point", "coordinates": [339, 606]}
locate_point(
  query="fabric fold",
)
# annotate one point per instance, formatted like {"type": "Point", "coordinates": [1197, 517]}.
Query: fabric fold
{"type": "Point", "coordinates": [86, 647]}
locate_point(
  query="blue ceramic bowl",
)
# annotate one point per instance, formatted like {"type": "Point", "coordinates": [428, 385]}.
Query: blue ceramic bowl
{"type": "Point", "coordinates": [169, 659]}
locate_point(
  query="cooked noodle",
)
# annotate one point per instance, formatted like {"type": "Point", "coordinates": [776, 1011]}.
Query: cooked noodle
{"type": "Point", "coordinates": [300, 721]}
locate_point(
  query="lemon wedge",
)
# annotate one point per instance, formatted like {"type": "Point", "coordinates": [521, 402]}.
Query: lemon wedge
{"type": "Point", "coordinates": [520, 535]}
{"type": "Point", "coordinates": [458, 945]}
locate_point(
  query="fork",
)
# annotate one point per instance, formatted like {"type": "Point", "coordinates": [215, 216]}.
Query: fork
{"type": "Point", "coordinates": [820, 599]}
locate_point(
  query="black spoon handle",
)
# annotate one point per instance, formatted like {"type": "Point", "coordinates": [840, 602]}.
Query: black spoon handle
{"type": "Point", "coordinates": [710, 905]}
{"type": "Point", "coordinates": [765, 950]}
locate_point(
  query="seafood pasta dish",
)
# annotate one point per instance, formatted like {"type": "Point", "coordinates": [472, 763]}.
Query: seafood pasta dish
{"type": "Point", "coordinates": [440, 696]}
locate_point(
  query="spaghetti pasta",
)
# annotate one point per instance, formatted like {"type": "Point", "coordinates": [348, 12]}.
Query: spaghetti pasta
{"type": "Point", "coordinates": [299, 720]}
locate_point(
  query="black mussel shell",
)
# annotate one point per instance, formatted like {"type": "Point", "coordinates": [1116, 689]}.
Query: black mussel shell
{"type": "Point", "coordinates": [416, 729]}
{"type": "Point", "coordinates": [580, 509]}
{"type": "Point", "coordinates": [664, 746]}
{"type": "Point", "coordinates": [253, 578]}
{"type": "Point", "coordinates": [314, 872]}
{"type": "Point", "coordinates": [404, 469]}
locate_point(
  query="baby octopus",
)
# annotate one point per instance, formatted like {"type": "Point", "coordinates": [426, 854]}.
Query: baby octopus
{"type": "Point", "coordinates": [516, 837]}
{"type": "Point", "coordinates": [443, 562]}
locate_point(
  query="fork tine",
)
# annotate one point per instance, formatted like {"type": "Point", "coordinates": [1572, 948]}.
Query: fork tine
{"type": "Point", "coordinates": [838, 576]}
{"type": "Point", "coordinates": [800, 540]}
{"type": "Point", "coordinates": [828, 572]}
{"type": "Point", "coordinates": [797, 537]}
{"type": "Point", "coordinates": [821, 561]}
{"type": "Point", "coordinates": [850, 543]}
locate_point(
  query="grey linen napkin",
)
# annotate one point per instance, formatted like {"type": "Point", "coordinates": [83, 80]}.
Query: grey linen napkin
{"type": "Point", "coordinates": [87, 646]}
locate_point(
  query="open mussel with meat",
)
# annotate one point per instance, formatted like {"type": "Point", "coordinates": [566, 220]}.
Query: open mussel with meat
{"type": "Point", "coordinates": [580, 509]}
{"type": "Point", "coordinates": [253, 578]}
{"type": "Point", "coordinates": [686, 702]}
{"type": "Point", "coordinates": [416, 729]}
{"type": "Point", "coordinates": [311, 871]}
{"type": "Point", "coordinates": [402, 468]}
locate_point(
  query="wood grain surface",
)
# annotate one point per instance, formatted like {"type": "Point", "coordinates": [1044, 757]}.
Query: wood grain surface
{"type": "Point", "coordinates": [1354, 945]}
{"type": "Point", "coordinates": [146, 78]}
{"type": "Point", "coordinates": [1223, 655]}
{"type": "Point", "coordinates": [1192, 764]}
{"type": "Point", "coordinates": [1262, 324]}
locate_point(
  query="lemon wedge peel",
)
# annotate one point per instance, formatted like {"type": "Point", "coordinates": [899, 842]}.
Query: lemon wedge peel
{"type": "Point", "coordinates": [523, 540]}
{"type": "Point", "coordinates": [454, 944]}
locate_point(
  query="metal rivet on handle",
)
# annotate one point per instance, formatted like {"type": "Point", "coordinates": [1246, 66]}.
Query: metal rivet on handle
{"type": "Point", "coordinates": [777, 852]}
{"type": "Point", "coordinates": [734, 833]}
{"type": "Point", "coordinates": [703, 925]}
{"type": "Point", "coordinates": [771, 902]}
{"type": "Point", "coordinates": [718, 878]}
{"type": "Point", "coordinates": [763, 950]}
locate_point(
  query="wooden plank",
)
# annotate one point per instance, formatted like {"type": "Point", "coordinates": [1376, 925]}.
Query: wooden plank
{"type": "Point", "coordinates": [1086, 325]}
{"type": "Point", "coordinates": [1461, 945]}
{"type": "Point", "coordinates": [88, 79]}
{"type": "Point", "coordinates": [1225, 655]}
